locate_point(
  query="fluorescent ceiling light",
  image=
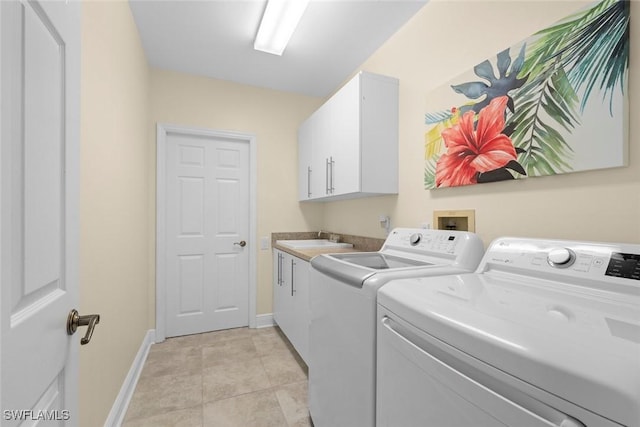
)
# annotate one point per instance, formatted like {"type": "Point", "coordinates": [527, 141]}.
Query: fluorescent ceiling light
{"type": "Point", "coordinates": [278, 23]}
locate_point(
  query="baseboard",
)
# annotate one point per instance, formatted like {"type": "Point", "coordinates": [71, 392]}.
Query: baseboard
{"type": "Point", "coordinates": [119, 408]}
{"type": "Point", "coordinates": [264, 320]}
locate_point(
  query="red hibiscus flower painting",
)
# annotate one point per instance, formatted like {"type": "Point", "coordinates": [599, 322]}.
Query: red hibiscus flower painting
{"type": "Point", "coordinates": [539, 107]}
{"type": "Point", "coordinates": [471, 152]}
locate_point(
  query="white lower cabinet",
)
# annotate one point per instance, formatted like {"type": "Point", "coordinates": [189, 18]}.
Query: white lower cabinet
{"type": "Point", "coordinates": [291, 299]}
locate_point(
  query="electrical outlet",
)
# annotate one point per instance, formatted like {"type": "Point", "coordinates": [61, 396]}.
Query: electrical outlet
{"type": "Point", "coordinates": [265, 242]}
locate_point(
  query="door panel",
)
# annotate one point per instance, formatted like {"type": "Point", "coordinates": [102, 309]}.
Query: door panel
{"type": "Point", "coordinates": [207, 205]}
{"type": "Point", "coordinates": [320, 152]}
{"type": "Point", "coordinates": [300, 286]}
{"type": "Point", "coordinates": [345, 138]}
{"type": "Point", "coordinates": [40, 57]}
{"type": "Point", "coordinates": [190, 283]}
{"type": "Point", "coordinates": [305, 146]}
{"type": "Point", "coordinates": [191, 200]}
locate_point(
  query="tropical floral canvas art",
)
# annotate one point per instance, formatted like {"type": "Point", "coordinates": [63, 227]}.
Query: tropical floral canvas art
{"type": "Point", "coordinates": [554, 103]}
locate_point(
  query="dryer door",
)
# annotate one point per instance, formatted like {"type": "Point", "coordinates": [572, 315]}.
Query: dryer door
{"type": "Point", "coordinates": [419, 383]}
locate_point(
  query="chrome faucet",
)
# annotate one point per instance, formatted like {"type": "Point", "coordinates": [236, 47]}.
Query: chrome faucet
{"type": "Point", "coordinates": [319, 233]}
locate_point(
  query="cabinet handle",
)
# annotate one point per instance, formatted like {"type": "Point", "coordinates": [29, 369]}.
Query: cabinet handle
{"type": "Point", "coordinates": [292, 276]}
{"type": "Point", "coordinates": [279, 269]}
{"type": "Point", "coordinates": [326, 176]}
{"type": "Point", "coordinates": [332, 163]}
{"type": "Point", "coordinates": [309, 181]}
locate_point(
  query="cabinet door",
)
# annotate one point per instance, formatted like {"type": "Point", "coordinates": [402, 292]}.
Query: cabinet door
{"type": "Point", "coordinates": [344, 139]}
{"type": "Point", "coordinates": [321, 120]}
{"type": "Point", "coordinates": [305, 146]}
{"type": "Point", "coordinates": [282, 304]}
{"type": "Point", "coordinates": [378, 134]}
{"type": "Point", "coordinates": [277, 275]}
{"type": "Point", "coordinates": [291, 299]}
{"type": "Point", "coordinates": [286, 309]}
{"type": "Point", "coordinates": [302, 315]}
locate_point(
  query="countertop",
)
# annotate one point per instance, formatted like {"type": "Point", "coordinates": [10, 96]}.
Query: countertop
{"type": "Point", "coordinates": [360, 244]}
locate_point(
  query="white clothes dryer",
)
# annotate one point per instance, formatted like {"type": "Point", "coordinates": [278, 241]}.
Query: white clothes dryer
{"type": "Point", "coordinates": [544, 333]}
{"type": "Point", "coordinates": [342, 332]}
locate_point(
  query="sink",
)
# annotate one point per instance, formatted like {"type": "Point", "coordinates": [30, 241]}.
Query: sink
{"type": "Point", "coordinates": [312, 244]}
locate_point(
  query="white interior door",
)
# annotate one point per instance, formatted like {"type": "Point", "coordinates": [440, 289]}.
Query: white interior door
{"type": "Point", "coordinates": [206, 233]}
{"type": "Point", "coordinates": [39, 124]}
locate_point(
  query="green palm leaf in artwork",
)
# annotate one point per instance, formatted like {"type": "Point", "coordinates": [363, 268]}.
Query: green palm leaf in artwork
{"type": "Point", "coordinates": [598, 53]}
{"type": "Point", "coordinates": [565, 62]}
{"type": "Point", "coordinates": [430, 173]}
{"type": "Point", "coordinates": [544, 149]}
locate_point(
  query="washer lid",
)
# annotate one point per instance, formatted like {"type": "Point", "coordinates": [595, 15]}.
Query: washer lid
{"type": "Point", "coordinates": [378, 260]}
{"type": "Point", "coordinates": [580, 344]}
{"type": "Point", "coordinates": [354, 268]}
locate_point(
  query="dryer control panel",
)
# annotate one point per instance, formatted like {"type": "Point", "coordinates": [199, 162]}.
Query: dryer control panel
{"type": "Point", "coordinates": [624, 265]}
{"type": "Point", "coordinates": [564, 258]}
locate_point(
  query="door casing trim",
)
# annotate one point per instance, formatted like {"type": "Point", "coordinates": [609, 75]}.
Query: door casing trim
{"type": "Point", "coordinates": [162, 130]}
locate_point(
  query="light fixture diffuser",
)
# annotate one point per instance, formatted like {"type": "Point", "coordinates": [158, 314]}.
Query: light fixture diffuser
{"type": "Point", "coordinates": [278, 23]}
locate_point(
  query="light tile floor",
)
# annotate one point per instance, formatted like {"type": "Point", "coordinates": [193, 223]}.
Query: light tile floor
{"type": "Point", "coordinates": [233, 378]}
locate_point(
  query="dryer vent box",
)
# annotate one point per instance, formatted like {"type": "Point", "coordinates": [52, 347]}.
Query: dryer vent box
{"type": "Point", "coordinates": [462, 220]}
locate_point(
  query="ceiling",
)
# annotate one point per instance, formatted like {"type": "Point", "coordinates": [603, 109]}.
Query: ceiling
{"type": "Point", "coordinates": [214, 38]}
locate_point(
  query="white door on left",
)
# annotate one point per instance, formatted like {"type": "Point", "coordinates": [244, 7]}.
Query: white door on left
{"type": "Point", "coordinates": [39, 125]}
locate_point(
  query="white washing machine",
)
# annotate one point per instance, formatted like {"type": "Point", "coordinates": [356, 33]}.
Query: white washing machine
{"type": "Point", "coordinates": [544, 333]}
{"type": "Point", "coordinates": [342, 333]}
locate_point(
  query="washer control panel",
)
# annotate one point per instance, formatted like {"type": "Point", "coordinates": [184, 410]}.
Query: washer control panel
{"type": "Point", "coordinates": [427, 241]}
{"type": "Point", "coordinates": [570, 258]}
{"type": "Point", "coordinates": [424, 240]}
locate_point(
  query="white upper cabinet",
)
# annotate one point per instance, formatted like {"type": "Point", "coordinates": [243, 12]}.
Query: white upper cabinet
{"type": "Point", "coordinates": [305, 143]}
{"type": "Point", "coordinates": [349, 147]}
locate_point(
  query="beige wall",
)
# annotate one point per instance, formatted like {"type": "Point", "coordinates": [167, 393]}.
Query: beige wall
{"type": "Point", "coordinates": [114, 237]}
{"type": "Point", "coordinates": [444, 39]}
{"type": "Point", "coordinates": [273, 117]}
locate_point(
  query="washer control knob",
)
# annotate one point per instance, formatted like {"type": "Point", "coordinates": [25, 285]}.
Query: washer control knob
{"type": "Point", "coordinates": [561, 257]}
{"type": "Point", "coordinates": [415, 238]}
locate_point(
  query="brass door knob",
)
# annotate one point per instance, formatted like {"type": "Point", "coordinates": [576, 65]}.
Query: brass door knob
{"type": "Point", "coordinates": [74, 320]}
